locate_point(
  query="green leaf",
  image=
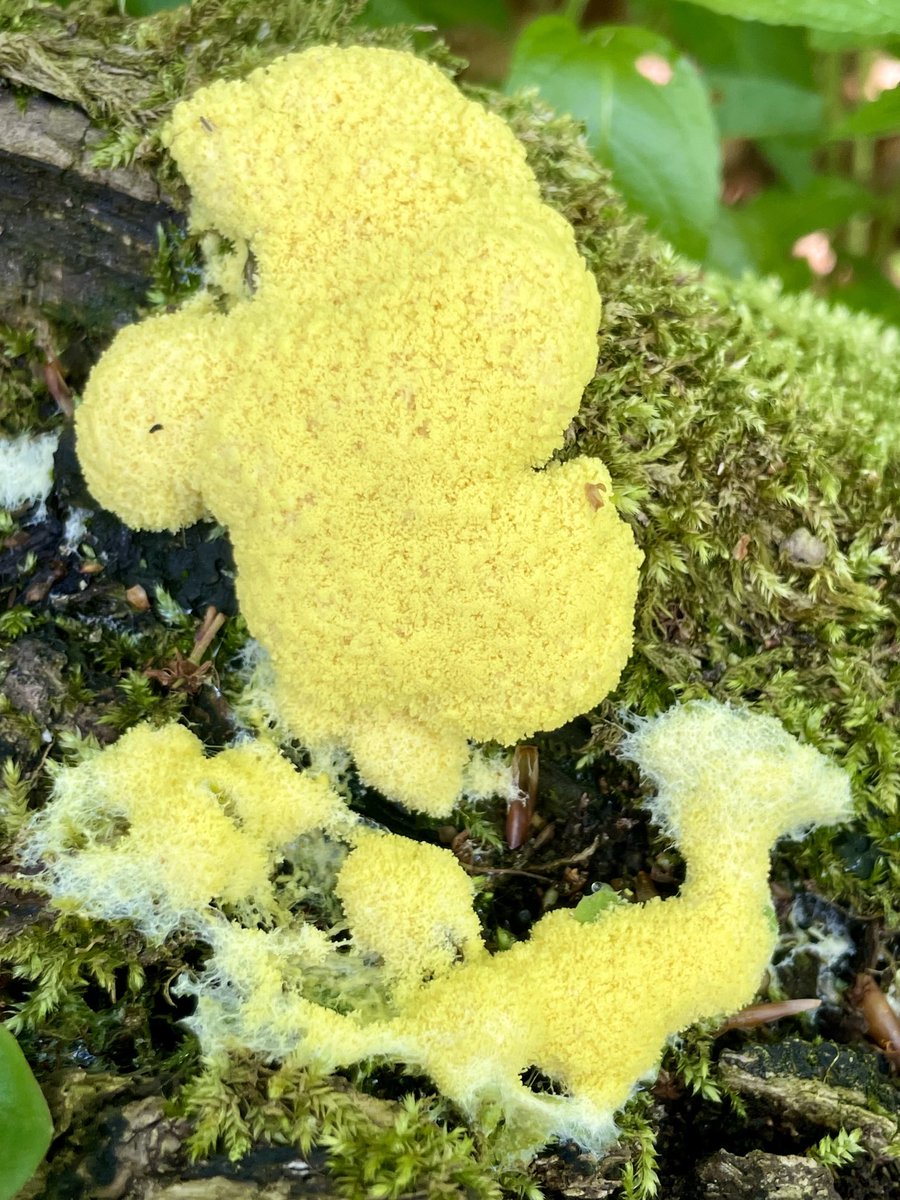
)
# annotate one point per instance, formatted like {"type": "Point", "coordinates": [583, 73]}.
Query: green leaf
{"type": "Point", "coordinates": [760, 236]}
{"type": "Point", "coordinates": [760, 76]}
{"type": "Point", "coordinates": [589, 908]}
{"type": "Point", "coordinates": [25, 1125]}
{"type": "Point", "coordinates": [446, 14]}
{"type": "Point", "coordinates": [878, 17]}
{"type": "Point", "coordinates": [864, 288]}
{"type": "Point", "coordinates": [659, 139]}
{"type": "Point", "coordinates": [146, 8]}
{"type": "Point", "coordinates": [730, 249]}
{"type": "Point", "coordinates": [792, 157]}
{"type": "Point", "coordinates": [879, 117]}
{"type": "Point", "coordinates": [830, 42]}
{"type": "Point", "coordinates": [756, 107]}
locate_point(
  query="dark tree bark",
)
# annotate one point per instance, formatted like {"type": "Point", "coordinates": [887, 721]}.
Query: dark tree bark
{"type": "Point", "coordinates": [76, 242]}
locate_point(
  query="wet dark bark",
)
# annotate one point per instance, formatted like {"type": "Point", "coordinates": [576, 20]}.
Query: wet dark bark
{"type": "Point", "coordinates": [76, 242]}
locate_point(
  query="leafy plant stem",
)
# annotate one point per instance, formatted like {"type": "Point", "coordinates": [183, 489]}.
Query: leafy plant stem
{"type": "Point", "coordinates": [862, 166]}
{"type": "Point", "coordinates": [573, 10]}
{"type": "Point", "coordinates": [863, 162]}
{"type": "Point", "coordinates": [885, 227]}
{"type": "Point", "coordinates": [832, 86]}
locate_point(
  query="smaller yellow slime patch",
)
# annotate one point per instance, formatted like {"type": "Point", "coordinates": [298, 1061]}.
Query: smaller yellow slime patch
{"type": "Point", "coordinates": [162, 831]}
{"type": "Point", "coordinates": [590, 1005]}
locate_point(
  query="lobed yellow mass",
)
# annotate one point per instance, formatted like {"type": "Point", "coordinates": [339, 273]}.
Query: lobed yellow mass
{"type": "Point", "coordinates": [373, 418]}
{"type": "Point", "coordinates": [590, 1005]}
{"type": "Point", "coordinates": [152, 831]}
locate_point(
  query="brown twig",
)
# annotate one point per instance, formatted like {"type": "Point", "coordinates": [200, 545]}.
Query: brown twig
{"type": "Point", "coordinates": [212, 623]}
{"type": "Point", "coordinates": [581, 857]}
{"type": "Point", "coordinates": [57, 386]}
{"type": "Point", "coordinates": [761, 1014]}
{"type": "Point", "coordinates": [525, 773]}
{"type": "Point", "coordinates": [473, 870]}
{"type": "Point", "coordinates": [190, 674]}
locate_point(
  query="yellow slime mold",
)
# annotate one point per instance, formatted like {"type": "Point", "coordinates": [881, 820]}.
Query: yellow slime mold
{"type": "Point", "coordinates": [590, 1005]}
{"type": "Point", "coordinates": [367, 421]}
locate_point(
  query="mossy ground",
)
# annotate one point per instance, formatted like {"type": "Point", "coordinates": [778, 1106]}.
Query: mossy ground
{"type": "Point", "coordinates": [751, 448]}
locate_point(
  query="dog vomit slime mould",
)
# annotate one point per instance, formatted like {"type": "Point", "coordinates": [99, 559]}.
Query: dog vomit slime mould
{"type": "Point", "coordinates": [588, 1004]}
{"type": "Point", "coordinates": [367, 422]}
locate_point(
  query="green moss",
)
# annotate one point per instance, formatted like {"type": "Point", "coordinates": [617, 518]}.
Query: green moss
{"type": "Point", "coordinates": [640, 1180]}
{"type": "Point", "coordinates": [176, 271]}
{"type": "Point", "coordinates": [748, 435]}
{"type": "Point", "coordinates": [376, 1150]}
{"type": "Point", "coordinates": [837, 1151]}
{"type": "Point", "coordinates": [14, 789]}
{"type": "Point", "coordinates": [25, 404]}
{"type": "Point", "coordinates": [127, 74]}
{"type": "Point", "coordinates": [93, 989]}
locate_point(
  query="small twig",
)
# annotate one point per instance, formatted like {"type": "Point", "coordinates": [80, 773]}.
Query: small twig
{"type": "Point", "coordinates": [191, 673]}
{"type": "Point", "coordinates": [212, 623]}
{"type": "Point", "coordinates": [540, 839]}
{"type": "Point", "coordinates": [57, 386]}
{"type": "Point", "coordinates": [581, 857]}
{"type": "Point", "coordinates": [473, 870]}
{"type": "Point", "coordinates": [519, 812]}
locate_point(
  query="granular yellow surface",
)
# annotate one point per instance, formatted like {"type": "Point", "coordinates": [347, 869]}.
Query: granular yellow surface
{"type": "Point", "coordinates": [161, 831]}
{"type": "Point", "coordinates": [368, 418]}
{"type": "Point", "coordinates": [590, 1005]}
{"type": "Point", "coordinates": [415, 913]}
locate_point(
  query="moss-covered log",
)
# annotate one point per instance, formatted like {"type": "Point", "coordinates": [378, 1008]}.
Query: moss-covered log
{"type": "Point", "coordinates": [753, 446]}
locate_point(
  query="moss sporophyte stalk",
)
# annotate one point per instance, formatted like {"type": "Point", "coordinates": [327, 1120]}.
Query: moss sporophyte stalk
{"type": "Point", "coordinates": [378, 408]}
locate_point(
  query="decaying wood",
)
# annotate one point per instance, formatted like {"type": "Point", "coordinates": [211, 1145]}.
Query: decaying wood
{"type": "Point", "coordinates": [760, 1176]}
{"type": "Point", "coordinates": [822, 1095]}
{"type": "Point", "coordinates": [76, 242]}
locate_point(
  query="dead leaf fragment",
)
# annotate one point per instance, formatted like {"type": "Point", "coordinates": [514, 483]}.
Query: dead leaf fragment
{"type": "Point", "coordinates": [138, 598]}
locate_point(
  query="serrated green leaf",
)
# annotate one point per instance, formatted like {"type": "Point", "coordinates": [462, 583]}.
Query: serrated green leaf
{"type": "Point", "coordinates": [877, 17]}
{"type": "Point", "coordinates": [882, 116]}
{"type": "Point", "coordinates": [659, 138]}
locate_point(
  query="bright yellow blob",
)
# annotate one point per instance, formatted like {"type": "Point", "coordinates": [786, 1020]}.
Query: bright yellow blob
{"type": "Point", "coordinates": [366, 419]}
{"type": "Point", "coordinates": [153, 831]}
{"type": "Point", "coordinates": [590, 1005]}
